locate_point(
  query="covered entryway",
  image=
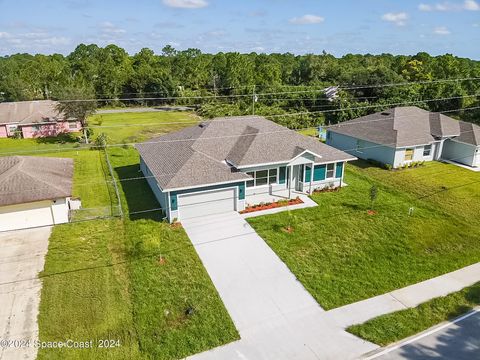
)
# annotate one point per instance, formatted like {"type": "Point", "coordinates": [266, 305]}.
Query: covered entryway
{"type": "Point", "coordinates": [206, 203]}
{"type": "Point", "coordinates": [24, 216]}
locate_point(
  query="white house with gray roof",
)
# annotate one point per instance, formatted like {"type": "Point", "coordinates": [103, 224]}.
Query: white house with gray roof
{"type": "Point", "coordinates": [35, 191]}
{"type": "Point", "coordinates": [403, 135]}
{"type": "Point", "coordinates": [224, 164]}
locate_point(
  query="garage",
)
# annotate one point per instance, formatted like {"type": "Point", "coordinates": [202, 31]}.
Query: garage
{"type": "Point", "coordinates": [25, 215]}
{"type": "Point", "coordinates": [206, 203]}
{"type": "Point", "coordinates": [477, 158]}
{"type": "Point", "coordinates": [35, 191]}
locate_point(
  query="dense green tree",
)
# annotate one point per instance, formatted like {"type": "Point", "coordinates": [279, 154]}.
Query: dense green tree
{"type": "Point", "coordinates": [224, 83]}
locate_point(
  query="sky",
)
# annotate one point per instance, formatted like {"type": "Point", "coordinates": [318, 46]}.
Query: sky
{"type": "Point", "coordinates": [297, 26]}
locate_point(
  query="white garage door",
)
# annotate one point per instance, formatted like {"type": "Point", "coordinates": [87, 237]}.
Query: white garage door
{"type": "Point", "coordinates": [25, 216]}
{"type": "Point", "coordinates": [206, 203]}
{"type": "Point", "coordinates": [477, 163]}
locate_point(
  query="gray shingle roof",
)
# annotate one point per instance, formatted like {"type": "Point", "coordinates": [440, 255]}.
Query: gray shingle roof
{"type": "Point", "coordinates": [29, 112]}
{"type": "Point", "coordinates": [25, 179]}
{"type": "Point", "coordinates": [470, 133]}
{"type": "Point", "coordinates": [200, 155]}
{"type": "Point", "coordinates": [400, 127]}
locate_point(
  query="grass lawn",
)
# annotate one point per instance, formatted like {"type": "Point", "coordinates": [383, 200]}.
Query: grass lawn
{"type": "Point", "coordinates": [130, 127]}
{"type": "Point", "coordinates": [342, 254]}
{"type": "Point", "coordinates": [137, 280]}
{"type": "Point", "coordinates": [390, 328]}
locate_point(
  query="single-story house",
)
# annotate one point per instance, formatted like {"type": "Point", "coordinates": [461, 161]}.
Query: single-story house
{"type": "Point", "coordinates": [402, 135]}
{"type": "Point", "coordinates": [226, 163]}
{"type": "Point", "coordinates": [34, 191]}
{"type": "Point", "coordinates": [33, 119]}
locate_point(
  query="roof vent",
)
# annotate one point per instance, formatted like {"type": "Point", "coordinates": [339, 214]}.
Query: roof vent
{"type": "Point", "coordinates": [202, 125]}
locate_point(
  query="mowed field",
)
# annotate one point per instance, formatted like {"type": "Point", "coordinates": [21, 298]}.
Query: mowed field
{"type": "Point", "coordinates": [138, 126]}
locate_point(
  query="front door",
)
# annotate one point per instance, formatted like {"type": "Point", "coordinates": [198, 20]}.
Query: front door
{"type": "Point", "coordinates": [297, 177]}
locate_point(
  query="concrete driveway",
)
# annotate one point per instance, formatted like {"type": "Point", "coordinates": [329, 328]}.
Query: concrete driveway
{"type": "Point", "coordinates": [22, 257]}
{"type": "Point", "coordinates": [274, 314]}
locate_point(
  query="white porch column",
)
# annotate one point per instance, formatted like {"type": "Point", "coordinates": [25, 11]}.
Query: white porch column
{"type": "Point", "coordinates": [290, 181]}
{"type": "Point", "coordinates": [311, 177]}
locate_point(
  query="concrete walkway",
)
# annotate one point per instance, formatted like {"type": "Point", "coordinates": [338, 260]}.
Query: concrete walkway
{"type": "Point", "coordinates": [407, 297]}
{"type": "Point", "coordinates": [22, 257]}
{"type": "Point", "coordinates": [274, 314]}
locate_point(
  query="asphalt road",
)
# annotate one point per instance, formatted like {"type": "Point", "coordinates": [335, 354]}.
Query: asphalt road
{"type": "Point", "coordinates": [459, 341]}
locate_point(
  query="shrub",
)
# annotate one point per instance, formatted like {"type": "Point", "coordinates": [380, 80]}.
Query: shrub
{"type": "Point", "coordinates": [388, 167]}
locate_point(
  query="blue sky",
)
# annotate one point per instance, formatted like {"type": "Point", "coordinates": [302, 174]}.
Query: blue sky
{"type": "Point", "coordinates": [300, 26]}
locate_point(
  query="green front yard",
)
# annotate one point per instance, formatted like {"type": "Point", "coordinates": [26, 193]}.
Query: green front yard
{"type": "Point", "coordinates": [342, 254]}
{"type": "Point", "coordinates": [136, 280]}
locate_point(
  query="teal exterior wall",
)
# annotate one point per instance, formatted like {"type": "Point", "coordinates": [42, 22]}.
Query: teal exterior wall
{"type": "Point", "coordinates": [319, 172]}
{"type": "Point", "coordinates": [339, 170]}
{"type": "Point", "coordinates": [308, 173]}
{"type": "Point", "coordinates": [282, 175]}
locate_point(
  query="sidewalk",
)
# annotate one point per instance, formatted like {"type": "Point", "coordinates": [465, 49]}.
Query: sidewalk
{"type": "Point", "coordinates": [407, 297]}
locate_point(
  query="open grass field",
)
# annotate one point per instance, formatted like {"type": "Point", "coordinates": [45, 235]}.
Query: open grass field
{"type": "Point", "coordinates": [136, 280]}
{"type": "Point", "coordinates": [390, 328]}
{"type": "Point", "coordinates": [342, 254]}
{"type": "Point", "coordinates": [119, 128]}
{"type": "Point", "coordinates": [130, 127]}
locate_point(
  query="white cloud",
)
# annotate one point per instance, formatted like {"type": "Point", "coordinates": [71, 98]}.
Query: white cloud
{"type": "Point", "coordinates": [4, 35]}
{"type": "Point", "coordinates": [468, 5]}
{"type": "Point", "coordinates": [110, 29]}
{"type": "Point", "coordinates": [398, 19]}
{"type": "Point", "coordinates": [441, 30]}
{"type": "Point", "coordinates": [186, 4]}
{"type": "Point", "coordinates": [307, 19]}
{"type": "Point", "coordinates": [471, 5]}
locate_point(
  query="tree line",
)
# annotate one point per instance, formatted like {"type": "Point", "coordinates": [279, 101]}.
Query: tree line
{"type": "Point", "coordinates": [235, 84]}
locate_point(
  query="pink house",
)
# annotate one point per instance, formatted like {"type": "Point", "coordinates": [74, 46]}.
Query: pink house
{"type": "Point", "coordinates": [33, 119]}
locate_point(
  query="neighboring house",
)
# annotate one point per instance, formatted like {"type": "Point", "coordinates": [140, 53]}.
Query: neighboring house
{"type": "Point", "coordinates": [223, 164]}
{"type": "Point", "coordinates": [465, 148]}
{"type": "Point", "coordinates": [403, 135]}
{"type": "Point", "coordinates": [35, 191]}
{"type": "Point", "coordinates": [33, 119]}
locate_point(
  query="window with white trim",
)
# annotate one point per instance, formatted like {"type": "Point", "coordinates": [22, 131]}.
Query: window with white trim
{"type": "Point", "coordinates": [263, 177]}
{"type": "Point", "coordinates": [427, 150]}
{"type": "Point", "coordinates": [72, 125]}
{"type": "Point", "coordinates": [330, 171]}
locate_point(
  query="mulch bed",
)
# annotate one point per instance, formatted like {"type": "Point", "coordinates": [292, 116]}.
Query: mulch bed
{"type": "Point", "coordinates": [272, 205]}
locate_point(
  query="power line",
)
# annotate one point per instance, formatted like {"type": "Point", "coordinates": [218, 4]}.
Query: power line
{"type": "Point", "coordinates": [355, 87]}
{"type": "Point", "coordinates": [227, 136]}
{"type": "Point", "coordinates": [114, 180]}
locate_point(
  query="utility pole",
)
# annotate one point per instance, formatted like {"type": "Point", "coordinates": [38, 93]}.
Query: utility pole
{"type": "Point", "coordinates": [254, 100]}
{"type": "Point", "coordinates": [215, 77]}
